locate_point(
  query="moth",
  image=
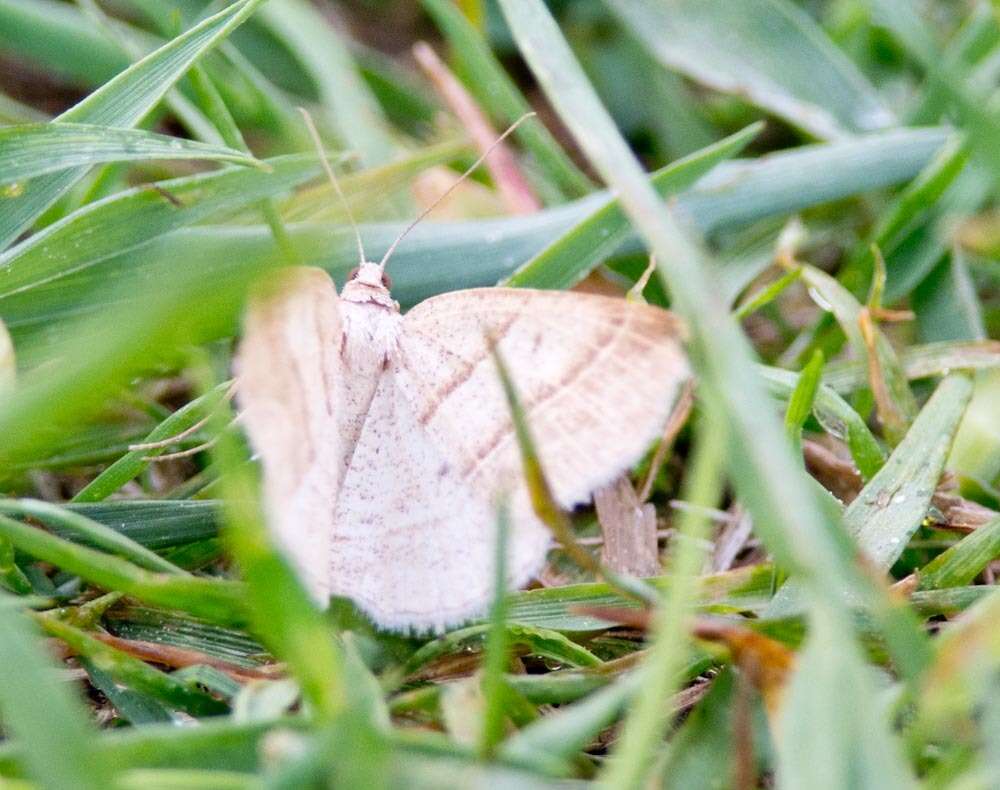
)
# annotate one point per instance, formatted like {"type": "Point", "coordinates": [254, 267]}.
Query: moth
{"type": "Point", "coordinates": [385, 439]}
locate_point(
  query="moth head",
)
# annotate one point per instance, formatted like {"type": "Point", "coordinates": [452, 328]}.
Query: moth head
{"type": "Point", "coordinates": [371, 275]}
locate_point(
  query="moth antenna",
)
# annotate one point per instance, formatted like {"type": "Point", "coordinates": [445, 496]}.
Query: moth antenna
{"type": "Point", "coordinates": [314, 134]}
{"type": "Point", "coordinates": [449, 190]}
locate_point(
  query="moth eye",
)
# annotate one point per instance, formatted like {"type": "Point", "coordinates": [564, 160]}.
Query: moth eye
{"type": "Point", "coordinates": [386, 280]}
{"type": "Point", "coordinates": [354, 273]}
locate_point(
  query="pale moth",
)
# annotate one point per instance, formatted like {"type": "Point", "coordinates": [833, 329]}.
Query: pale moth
{"type": "Point", "coordinates": [385, 439]}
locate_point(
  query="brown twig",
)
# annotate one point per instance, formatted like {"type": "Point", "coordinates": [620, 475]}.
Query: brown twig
{"type": "Point", "coordinates": [678, 417]}
{"type": "Point", "coordinates": [514, 189]}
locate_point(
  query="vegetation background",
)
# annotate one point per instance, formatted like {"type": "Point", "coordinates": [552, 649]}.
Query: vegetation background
{"type": "Point", "coordinates": [830, 238]}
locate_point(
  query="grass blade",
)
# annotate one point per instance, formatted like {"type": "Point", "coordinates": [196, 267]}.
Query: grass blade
{"type": "Point", "coordinates": [122, 102]}
{"type": "Point", "coordinates": [773, 54]}
{"type": "Point", "coordinates": [572, 256]}
{"type": "Point", "coordinates": [37, 149]}
{"type": "Point", "coordinates": [213, 599]}
{"type": "Point", "coordinates": [39, 710]}
{"type": "Point", "coordinates": [85, 530]}
{"type": "Point", "coordinates": [498, 94]}
{"type": "Point", "coordinates": [894, 503]}
{"type": "Point", "coordinates": [960, 564]}
{"type": "Point", "coordinates": [133, 463]}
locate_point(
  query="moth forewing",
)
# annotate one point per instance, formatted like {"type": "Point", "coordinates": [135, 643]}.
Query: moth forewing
{"type": "Point", "coordinates": [289, 379]}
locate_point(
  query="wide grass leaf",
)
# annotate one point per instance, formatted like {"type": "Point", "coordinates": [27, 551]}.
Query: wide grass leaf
{"type": "Point", "coordinates": [767, 51]}
{"type": "Point", "coordinates": [36, 149]}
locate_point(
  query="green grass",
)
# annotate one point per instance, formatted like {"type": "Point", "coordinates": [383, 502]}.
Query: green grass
{"type": "Point", "coordinates": [818, 182]}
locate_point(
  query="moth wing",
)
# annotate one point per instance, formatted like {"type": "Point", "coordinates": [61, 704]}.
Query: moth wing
{"type": "Point", "coordinates": [597, 377]}
{"type": "Point", "coordinates": [288, 373]}
{"type": "Point", "coordinates": [414, 543]}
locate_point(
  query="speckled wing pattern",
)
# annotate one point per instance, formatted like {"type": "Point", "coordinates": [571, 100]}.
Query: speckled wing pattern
{"type": "Point", "coordinates": [412, 517]}
{"type": "Point", "coordinates": [597, 377]}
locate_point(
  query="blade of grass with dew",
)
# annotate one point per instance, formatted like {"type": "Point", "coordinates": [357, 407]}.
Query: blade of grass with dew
{"type": "Point", "coordinates": [213, 599]}
{"type": "Point", "coordinates": [500, 96]}
{"type": "Point", "coordinates": [37, 149]}
{"type": "Point", "coordinates": [130, 620]}
{"type": "Point", "coordinates": [91, 532]}
{"type": "Point", "coordinates": [802, 401]}
{"type": "Point", "coordinates": [895, 501]}
{"type": "Point", "coordinates": [837, 418]}
{"type": "Point", "coordinates": [46, 722]}
{"type": "Point", "coordinates": [786, 515]}
{"type": "Point", "coordinates": [131, 671]}
{"type": "Point", "coordinates": [572, 256]}
{"type": "Point", "coordinates": [960, 564]}
{"type": "Point", "coordinates": [134, 462]}
{"type": "Point", "coordinates": [774, 55]}
{"type": "Point", "coordinates": [122, 102]}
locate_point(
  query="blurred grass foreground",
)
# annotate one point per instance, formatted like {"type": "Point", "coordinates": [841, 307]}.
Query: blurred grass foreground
{"type": "Point", "coordinates": [811, 602]}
